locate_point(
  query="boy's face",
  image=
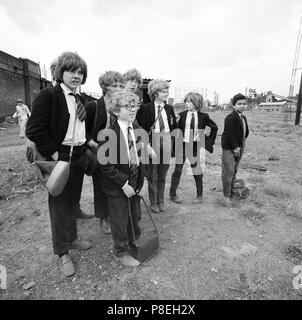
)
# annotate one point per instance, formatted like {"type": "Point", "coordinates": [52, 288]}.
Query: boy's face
{"type": "Point", "coordinates": [131, 85]}
{"type": "Point", "coordinates": [73, 79]}
{"type": "Point", "coordinates": [125, 114]}
{"type": "Point", "coordinates": [162, 95]}
{"type": "Point", "coordinates": [190, 105]}
{"type": "Point", "coordinates": [114, 87]}
{"type": "Point", "coordinates": [240, 105]}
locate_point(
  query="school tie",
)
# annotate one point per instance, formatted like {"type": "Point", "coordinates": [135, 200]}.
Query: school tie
{"type": "Point", "coordinates": [81, 112]}
{"type": "Point", "coordinates": [132, 161]}
{"type": "Point", "coordinates": [192, 126]}
{"type": "Point", "coordinates": [161, 120]}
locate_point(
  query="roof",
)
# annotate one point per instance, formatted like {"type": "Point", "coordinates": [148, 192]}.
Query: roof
{"type": "Point", "coordinates": [271, 104]}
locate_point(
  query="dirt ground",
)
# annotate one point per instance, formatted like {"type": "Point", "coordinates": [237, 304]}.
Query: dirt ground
{"type": "Point", "coordinates": [246, 250]}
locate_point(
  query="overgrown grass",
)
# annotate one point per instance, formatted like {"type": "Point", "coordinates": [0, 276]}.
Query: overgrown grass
{"type": "Point", "coordinates": [253, 214]}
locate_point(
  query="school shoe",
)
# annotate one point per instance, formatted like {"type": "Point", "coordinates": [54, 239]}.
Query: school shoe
{"type": "Point", "coordinates": [176, 199]}
{"type": "Point", "coordinates": [105, 225]}
{"type": "Point", "coordinates": [128, 261]}
{"type": "Point", "coordinates": [154, 208]}
{"type": "Point", "coordinates": [66, 265]}
{"type": "Point", "coordinates": [198, 199]}
{"type": "Point", "coordinates": [80, 245]}
{"type": "Point", "coordinates": [162, 207]}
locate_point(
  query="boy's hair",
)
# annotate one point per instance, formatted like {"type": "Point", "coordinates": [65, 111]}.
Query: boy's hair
{"type": "Point", "coordinates": [70, 61]}
{"type": "Point", "coordinates": [237, 97]}
{"type": "Point", "coordinates": [122, 96]}
{"type": "Point", "coordinates": [132, 74]}
{"type": "Point", "coordinates": [196, 98]}
{"type": "Point", "coordinates": [109, 78]}
{"type": "Point", "coordinates": [157, 85]}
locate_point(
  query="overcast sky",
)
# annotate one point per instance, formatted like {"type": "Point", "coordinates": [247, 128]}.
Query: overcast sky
{"type": "Point", "coordinates": [224, 46]}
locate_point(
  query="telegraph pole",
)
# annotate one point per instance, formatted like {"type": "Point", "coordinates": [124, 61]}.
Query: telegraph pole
{"type": "Point", "coordinates": [298, 112]}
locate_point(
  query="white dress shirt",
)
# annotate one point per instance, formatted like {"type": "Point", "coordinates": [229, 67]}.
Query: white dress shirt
{"type": "Point", "coordinates": [80, 131]}
{"type": "Point", "coordinates": [124, 128]}
{"type": "Point", "coordinates": [164, 116]}
{"type": "Point", "coordinates": [188, 124]}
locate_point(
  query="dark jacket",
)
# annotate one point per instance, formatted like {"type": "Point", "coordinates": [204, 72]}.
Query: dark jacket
{"type": "Point", "coordinates": [146, 116]}
{"type": "Point", "coordinates": [232, 136]}
{"type": "Point", "coordinates": [203, 122]}
{"type": "Point", "coordinates": [117, 174]}
{"type": "Point", "coordinates": [49, 120]}
{"type": "Point", "coordinates": [101, 119]}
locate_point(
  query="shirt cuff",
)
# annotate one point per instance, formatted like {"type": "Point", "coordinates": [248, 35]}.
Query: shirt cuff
{"type": "Point", "coordinates": [125, 184]}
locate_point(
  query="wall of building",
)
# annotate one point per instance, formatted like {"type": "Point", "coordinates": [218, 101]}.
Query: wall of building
{"type": "Point", "coordinates": [19, 79]}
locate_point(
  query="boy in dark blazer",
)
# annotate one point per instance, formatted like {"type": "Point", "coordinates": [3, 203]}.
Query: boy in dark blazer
{"type": "Point", "coordinates": [123, 178]}
{"type": "Point", "coordinates": [110, 82]}
{"type": "Point", "coordinates": [192, 124]}
{"type": "Point", "coordinates": [233, 142]}
{"type": "Point", "coordinates": [158, 119]}
{"type": "Point", "coordinates": [58, 117]}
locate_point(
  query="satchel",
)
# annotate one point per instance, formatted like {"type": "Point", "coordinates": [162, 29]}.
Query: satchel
{"type": "Point", "coordinates": [55, 173]}
{"type": "Point", "coordinates": [91, 162]}
{"type": "Point", "coordinates": [147, 245]}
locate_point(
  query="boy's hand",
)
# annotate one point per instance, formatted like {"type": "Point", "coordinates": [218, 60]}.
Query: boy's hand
{"type": "Point", "coordinates": [128, 190]}
{"type": "Point", "coordinates": [237, 152]}
{"type": "Point", "coordinates": [151, 152]}
{"type": "Point", "coordinates": [93, 145]}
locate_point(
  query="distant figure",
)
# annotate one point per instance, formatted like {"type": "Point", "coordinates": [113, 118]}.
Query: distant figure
{"type": "Point", "coordinates": [233, 142]}
{"type": "Point", "coordinates": [132, 80]}
{"type": "Point", "coordinates": [22, 114]}
{"type": "Point", "coordinates": [52, 70]}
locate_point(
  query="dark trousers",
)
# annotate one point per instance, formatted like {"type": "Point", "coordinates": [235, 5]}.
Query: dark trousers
{"type": "Point", "coordinates": [228, 172]}
{"type": "Point", "coordinates": [194, 162]}
{"type": "Point", "coordinates": [157, 181]}
{"type": "Point", "coordinates": [120, 222]}
{"type": "Point", "coordinates": [100, 199]}
{"type": "Point", "coordinates": [62, 208]}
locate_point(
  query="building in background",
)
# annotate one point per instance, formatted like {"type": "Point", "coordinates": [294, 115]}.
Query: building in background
{"type": "Point", "coordinates": [20, 78]}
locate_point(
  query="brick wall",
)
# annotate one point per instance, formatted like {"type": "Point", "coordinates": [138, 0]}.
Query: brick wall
{"type": "Point", "coordinates": [19, 78]}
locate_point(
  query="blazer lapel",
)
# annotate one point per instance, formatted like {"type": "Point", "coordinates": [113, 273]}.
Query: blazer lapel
{"type": "Point", "coordinates": [62, 101]}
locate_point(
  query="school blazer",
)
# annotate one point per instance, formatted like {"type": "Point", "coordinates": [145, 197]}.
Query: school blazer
{"type": "Point", "coordinates": [232, 136]}
{"type": "Point", "coordinates": [48, 123]}
{"type": "Point", "coordinates": [101, 118]}
{"type": "Point", "coordinates": [146, 116]}
{"type": "Point", "coordinates": [117, 174]}
{"type": "Point", "coordinates": [203, 122]}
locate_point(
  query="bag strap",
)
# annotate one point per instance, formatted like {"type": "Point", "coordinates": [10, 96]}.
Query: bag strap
{"type": "Point", "coordinates": [72, 142]}
{"type": "Point", "coordinates": [95, 117]}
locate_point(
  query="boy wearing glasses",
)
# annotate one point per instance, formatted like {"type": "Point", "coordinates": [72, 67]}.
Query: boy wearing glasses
{"type": "Point", "coordinates": [123, 178]}
{"type": "Point", "coordinates": [233, 141]}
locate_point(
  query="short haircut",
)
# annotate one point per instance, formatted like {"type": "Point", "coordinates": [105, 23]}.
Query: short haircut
{"type": "Point", "coordinates": [196, 98]}
{"type": "Point", "coordinates": [122, 96]}
{"type": "Point", "coordinates": [53, 67]}
{"type": "Point", "coordinates": [70, 61]}
{"type": "Point", "coordinates": [237, 97]}
{"type": "Point", "coordinates": [157, 85]}
{"type": "Point", "coordinates": [109, 78]}
{"type": "Point", "coordinates": [132, 74]}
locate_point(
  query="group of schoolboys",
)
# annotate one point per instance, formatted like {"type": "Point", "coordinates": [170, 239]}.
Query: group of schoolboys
{"type": "Point", "coordinates": [62, 118]}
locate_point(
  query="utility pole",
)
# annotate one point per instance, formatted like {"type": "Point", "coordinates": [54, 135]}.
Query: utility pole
{"type": "Point", "coordinates": [298, 112]}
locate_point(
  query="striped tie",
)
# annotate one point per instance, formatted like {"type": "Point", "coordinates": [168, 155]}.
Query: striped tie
{"type": "Point", "coordinates": [81, 112]}
{"type": "Point", "coordinates": [192, 126]}
{"type": "Point", "coordinates": [161, 120]}
{"type": "Point", "coordinates": [132, 161]}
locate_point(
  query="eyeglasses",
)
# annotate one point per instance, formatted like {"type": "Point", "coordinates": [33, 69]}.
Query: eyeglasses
{"type": "Point", "coordinates": [130, 107]}
{"type": "Point", "coordinates": [241, 104]}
